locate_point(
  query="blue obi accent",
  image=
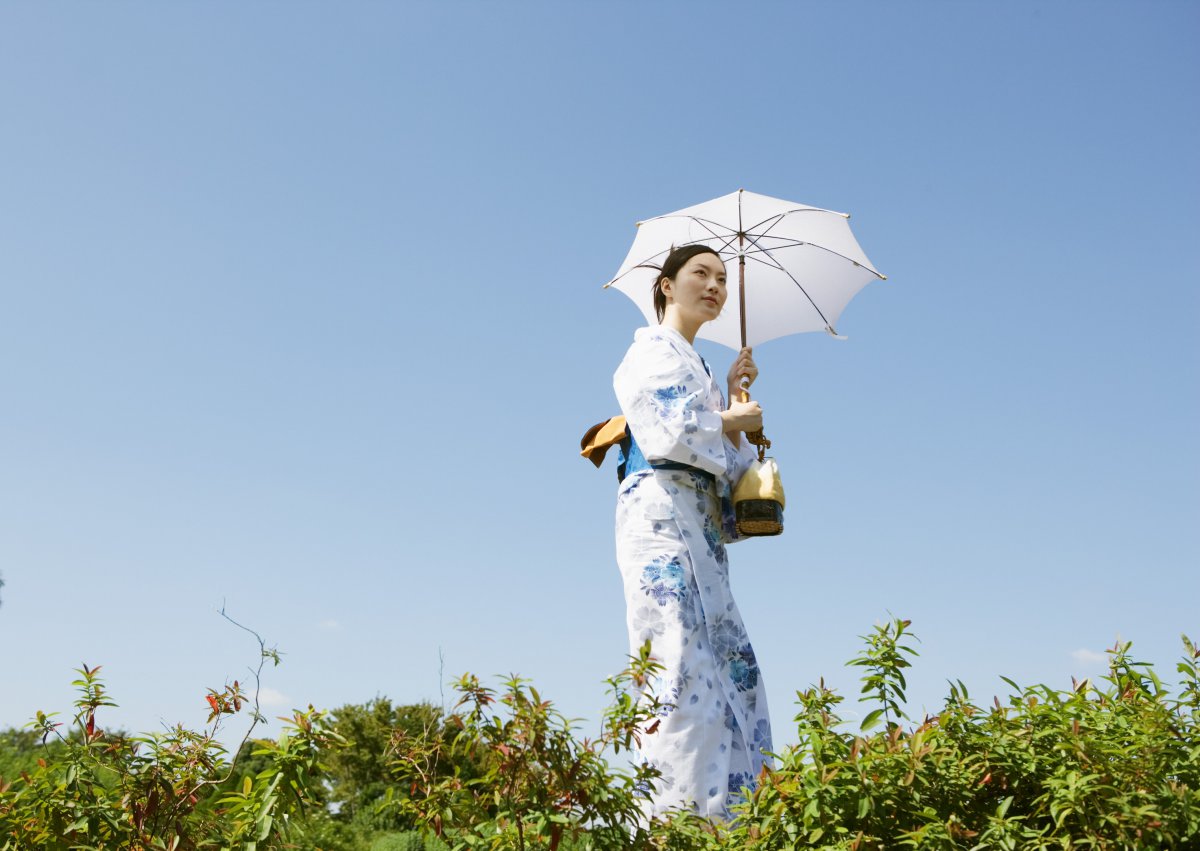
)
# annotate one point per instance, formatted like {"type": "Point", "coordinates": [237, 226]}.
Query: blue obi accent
{"type": "Point", "coordinates": [630, 460]}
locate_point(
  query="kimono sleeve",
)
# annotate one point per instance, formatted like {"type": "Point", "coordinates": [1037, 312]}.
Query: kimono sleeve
{"type": "Point", "coordinates": [670, 409]}
{"type": "Point", "coordinates": [739, 458]}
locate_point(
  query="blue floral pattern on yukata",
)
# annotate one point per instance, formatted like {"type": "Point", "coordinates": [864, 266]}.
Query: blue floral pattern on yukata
{"type": "Point", "coordinates": [673, 526]}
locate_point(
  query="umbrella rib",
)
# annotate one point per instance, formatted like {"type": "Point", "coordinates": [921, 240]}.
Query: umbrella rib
{"type": "Point", "coordinates": [696, 219]}
{"type": "Point", "coordinates": [799, 286]}
{"type": "Point", "coordinates": [754, 230]}
{"type": "Point", "coordinates": [754, 234]}
{"type": "Point", "coordinates": [777, 216]}
{"type": "Point", "coordinates": [801, 244]}
{"type": "Point", "coordinates": [755, 237]}
{"type": "Point", "coordinates": [704, 223]}
{"type": "Point", "coordinates": [726, 239]}
{"type": "Point", "coordinates": [786, 213]}
{"type": "Point", "coordinates": [643, 265]}
{"type": "Point", "coordinates": [774, 264]}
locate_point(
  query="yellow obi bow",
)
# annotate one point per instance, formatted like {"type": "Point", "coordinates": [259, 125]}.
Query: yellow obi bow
{"type": "Point", "coordinates": [601, 437]}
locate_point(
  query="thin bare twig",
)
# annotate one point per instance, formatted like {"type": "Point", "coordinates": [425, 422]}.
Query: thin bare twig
{"type": "Point", "coordinates": [256, 715]}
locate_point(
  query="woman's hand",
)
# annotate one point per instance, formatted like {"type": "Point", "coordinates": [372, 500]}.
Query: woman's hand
{"type": "Point", "coordinates": [743, 367]}
{"type": "Point", "coordinates": [742, 416]}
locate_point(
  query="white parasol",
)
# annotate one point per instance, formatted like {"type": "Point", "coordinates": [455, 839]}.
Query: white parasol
{"type": "Point", "coordinates": [798, 266]}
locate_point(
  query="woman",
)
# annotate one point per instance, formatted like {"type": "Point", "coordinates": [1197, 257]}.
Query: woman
{"type": "Point", "coordinates": [674, 517]}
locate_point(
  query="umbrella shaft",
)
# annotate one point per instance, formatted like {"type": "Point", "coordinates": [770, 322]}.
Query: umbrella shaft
{"type": "Point", "coordinates": [757, 438]}
{"type": "Point", "coordinates": [742, 286]}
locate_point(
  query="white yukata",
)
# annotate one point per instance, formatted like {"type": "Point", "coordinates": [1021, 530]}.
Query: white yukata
{"type": "Point", "coordinates": [672, 527]}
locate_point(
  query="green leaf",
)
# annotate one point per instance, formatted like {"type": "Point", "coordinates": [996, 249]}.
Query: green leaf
{"type": "Point", "coordinates": [871, 720]}
{"type": "Point", "coordinates": [864, 806]}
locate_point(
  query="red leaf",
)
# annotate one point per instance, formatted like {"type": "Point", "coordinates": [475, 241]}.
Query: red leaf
{"type": "Point", "coordinates": [212, 701]}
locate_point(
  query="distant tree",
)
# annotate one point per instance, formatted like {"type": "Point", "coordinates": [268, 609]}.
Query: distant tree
{"type": "Point", "coordinates": [20, 751]}
{"type": "Point", "coordinates": [360, 773]}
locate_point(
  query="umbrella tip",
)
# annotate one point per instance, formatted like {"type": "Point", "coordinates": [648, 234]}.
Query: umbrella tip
{"type": "Point", "coordinates": [835, 334]}
{"type": "Point", "coordinates": [637, 224]}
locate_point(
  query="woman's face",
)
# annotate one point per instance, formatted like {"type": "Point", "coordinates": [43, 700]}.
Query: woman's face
{"type": "Point", "coordinates": [698, 290]}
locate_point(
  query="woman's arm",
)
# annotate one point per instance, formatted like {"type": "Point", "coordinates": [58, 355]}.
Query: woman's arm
{"type": "Point", "coordinates": [741, 416]}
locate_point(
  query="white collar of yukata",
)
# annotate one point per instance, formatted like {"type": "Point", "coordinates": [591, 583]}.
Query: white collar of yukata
{"type": "Point", "coordinates": [666, 332]}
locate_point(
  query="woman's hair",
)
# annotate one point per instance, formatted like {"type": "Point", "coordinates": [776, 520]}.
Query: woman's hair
{"type": "Point", "coordinates": [675, 261]}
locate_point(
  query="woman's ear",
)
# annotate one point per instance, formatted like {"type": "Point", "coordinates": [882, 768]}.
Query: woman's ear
{"type": "Point", "coordinates": [665, 286]}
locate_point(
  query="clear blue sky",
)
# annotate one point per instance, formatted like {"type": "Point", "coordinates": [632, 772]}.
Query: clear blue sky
{"type": "Point", "coordinates": [300, 309]}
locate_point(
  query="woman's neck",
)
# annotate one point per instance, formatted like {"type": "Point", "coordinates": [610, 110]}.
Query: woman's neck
{"type": "Point", "coordinates": [673, 320]}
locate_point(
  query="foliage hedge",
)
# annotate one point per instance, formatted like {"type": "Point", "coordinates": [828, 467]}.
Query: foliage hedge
{"type": "Point", "coordinates": [1112, 764]}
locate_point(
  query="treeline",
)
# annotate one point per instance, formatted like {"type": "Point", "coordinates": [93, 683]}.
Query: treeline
{"type": "Point", "coordinates": [1111, 764]}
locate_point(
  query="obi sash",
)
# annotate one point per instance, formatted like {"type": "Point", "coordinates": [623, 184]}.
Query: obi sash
{"type": "Point", "coordinates": [630, 460]}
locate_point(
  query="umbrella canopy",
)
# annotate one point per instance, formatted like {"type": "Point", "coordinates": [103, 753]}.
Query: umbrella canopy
{"type": "Point", "coordinates": [799, 266]}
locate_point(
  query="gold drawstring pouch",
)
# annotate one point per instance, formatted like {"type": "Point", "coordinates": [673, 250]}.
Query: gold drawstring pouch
{"type": "Point", "coordinates": [758, 500]}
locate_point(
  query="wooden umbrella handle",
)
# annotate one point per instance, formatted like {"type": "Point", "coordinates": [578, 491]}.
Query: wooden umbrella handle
{"type": "Point", "coordinates": [755, 437]}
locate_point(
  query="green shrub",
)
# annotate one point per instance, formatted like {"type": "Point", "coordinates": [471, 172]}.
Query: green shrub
{"type": "Point", "coordinates": [1116, 766]}
{"type": "Point", "coordinates": [1100, 766]}
{"type": "Point", "coordinates": [536, 783]}
{"type": "Point", "coordinates": [90, 788]}
{"type": "Point", "coordinates": [1107, 765]}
